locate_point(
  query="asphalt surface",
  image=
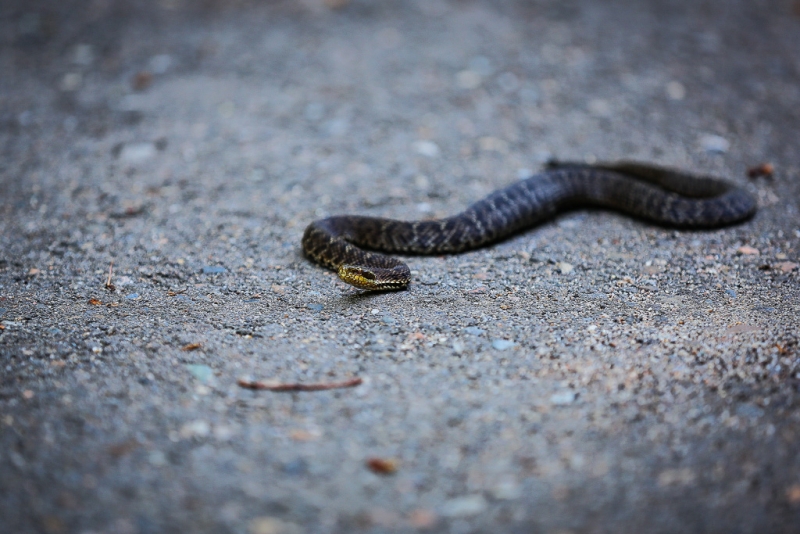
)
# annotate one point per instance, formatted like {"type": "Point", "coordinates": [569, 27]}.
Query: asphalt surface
{"type": "Point", "coordinates": [595, 374]}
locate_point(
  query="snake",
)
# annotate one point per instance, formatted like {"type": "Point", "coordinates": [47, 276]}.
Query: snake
{"type": "Point", "coordinates": [351, 244]}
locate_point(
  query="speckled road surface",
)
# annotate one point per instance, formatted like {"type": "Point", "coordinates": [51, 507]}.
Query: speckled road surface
{"type": "Point", "coordinates": [596, 374]}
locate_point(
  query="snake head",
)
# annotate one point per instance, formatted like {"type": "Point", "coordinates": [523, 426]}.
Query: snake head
{"type": "Point", "coordinates": [371, 279]}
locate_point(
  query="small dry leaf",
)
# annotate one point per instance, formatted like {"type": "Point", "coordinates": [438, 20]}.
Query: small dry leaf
{"type": "Point", "coordinates": [2, 327]}
{"type": "Point", "coordinates": [382, 466]}
{"type": "Point", "coordinates": [302, 435]}
{"type": "Point", "coordinates": [191, 346]}
{"type": "Point", "coordinates": [764, 169]}
{"type": "Point", "coordinates": [476, 291]}
{"type": "Point", "coordinates": [748, 251]}
{"type": "Point", "coordinates": [793, 494]}
{"type": "Point", "coordinates": [95, 302]}
{"type": "Point", "coordinates": [422, 518]}
{"type": "Point", "coordinates": [141, 80]}
{"type": "Point", "coordinates": [34, 271]}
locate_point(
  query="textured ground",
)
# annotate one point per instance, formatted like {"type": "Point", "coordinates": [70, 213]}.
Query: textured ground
{"type": "Point", "coordinates": [596, 374]}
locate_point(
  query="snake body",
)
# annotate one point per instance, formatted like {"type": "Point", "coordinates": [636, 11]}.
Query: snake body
{"type": "Point", "coordinates": [661, 195]}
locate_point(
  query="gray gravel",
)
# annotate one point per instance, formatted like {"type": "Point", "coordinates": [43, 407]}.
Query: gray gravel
{"type": "Point", "coordinates": [596, 374]}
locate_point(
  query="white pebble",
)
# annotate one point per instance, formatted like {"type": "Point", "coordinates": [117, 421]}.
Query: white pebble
{"type": "Point", "coordinates": [426, 148]}
{"type": "Point", "coordinates": [465, 506]}
{"type": "Point", "coordinates": [502, 344]}
{"type": "Point", "coordinates": [507, 490]}
{"type": "Point", "coordinates": [71, 81]}
{"type": "Point", "coordinates": [197, 428]}
{"type": "Point", "coordinates": [564, 267]}
{"type": "Point", "coordinates": [714, 143]}
{"type": "Point", "coordinates": [137, 152]}
{"type": "Point", "coordinates": [563, 398]}
{"type": "Point", "coordinates": [161, 63]}
{"type": "Point", "coordinates": [468, 79]}
{"type": "Point", "coordinates": [676, 90]}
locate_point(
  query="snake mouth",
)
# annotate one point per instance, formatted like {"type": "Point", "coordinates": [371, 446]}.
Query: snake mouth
{"type": "Point", "coordinates": [367, 279]}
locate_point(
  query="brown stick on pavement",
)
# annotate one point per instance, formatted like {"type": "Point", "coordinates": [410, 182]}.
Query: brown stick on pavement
{"type": "Point", "coordinates": [273, 386]}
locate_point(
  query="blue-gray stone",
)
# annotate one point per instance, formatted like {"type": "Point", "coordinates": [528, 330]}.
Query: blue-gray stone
{"type": "Point", "coordinates": [298, 466]}
{"type": "Point", "coordinates": [213, 269]}
{"type": "Point", "coordinates": [315, 307]}
{"type": "Point", "coordinates": [474, 330]}
{"type": "Point", "coordinates": [502, 344]}
{"type": "Point", "coordinates": [132, 296]}
{"type": "Point", "coordinates": [203, 373]}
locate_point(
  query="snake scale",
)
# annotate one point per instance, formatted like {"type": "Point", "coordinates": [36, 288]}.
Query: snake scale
{"type": "Point", "coordinates": [664, 196]}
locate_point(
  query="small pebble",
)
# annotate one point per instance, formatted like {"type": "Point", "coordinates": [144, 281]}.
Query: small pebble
{"type": "Point", "coordinates": [563, 398]}
{"type": "Point", "coordinates": [714, 143]}
{"type": "Point", "coordinates": [676, 90]}
{"type": "Point", "coordinates": [474, 330]}
{"type": "Point", "coordinates": [468, 79]}
{"type": "Point", "coordinates": [507, 490]}
{"type": "Point", "coordinates": [137, 152]}
{"type": "Point", "coordinates": [315, 307]}
{"type": "Point", "coordinates": [132, 296]}
{"type": "Point", "coordinates": [731, 293]}
{"type": "Point", "coordinates": [296, 467]}
{"type": "Point", "coordinates": [161, 63]}
{"type": "Point", "coordinates": [213, 269]}
{"type": "Point", "coordinates": [272, 525]}
{"type": "Point", "coordinates": [465, 506]}
{"type": "Point", "coordinates": [197, 428]}
{"type": "Point", "coordinates": [426, 148]}
{"type": "Point", "coordinates": [157, 458]}
{"type": "Point", "coordinates": [747, 250]}
{"type": "Point", "coordinates": [502, 344]}
{"type": "Point", "coordinates": [564, 267]}
{"type": "Point", "coordinates": [203, 373]}
{"type": "Point", "coordinates": [71, 82]}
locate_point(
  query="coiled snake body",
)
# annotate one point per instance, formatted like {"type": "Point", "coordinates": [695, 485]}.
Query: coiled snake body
{"type": "Point", "coordinates": [658, 194]}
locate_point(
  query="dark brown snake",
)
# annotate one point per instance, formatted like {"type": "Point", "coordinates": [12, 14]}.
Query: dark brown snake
{"type": "Point", "coordinates": [661, 195]}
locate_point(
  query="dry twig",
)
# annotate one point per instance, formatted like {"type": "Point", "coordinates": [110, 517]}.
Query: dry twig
{"type": "Point", "coordinates": [109, 285]}
{"type": "Point", "coordinates": [283, 387]}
